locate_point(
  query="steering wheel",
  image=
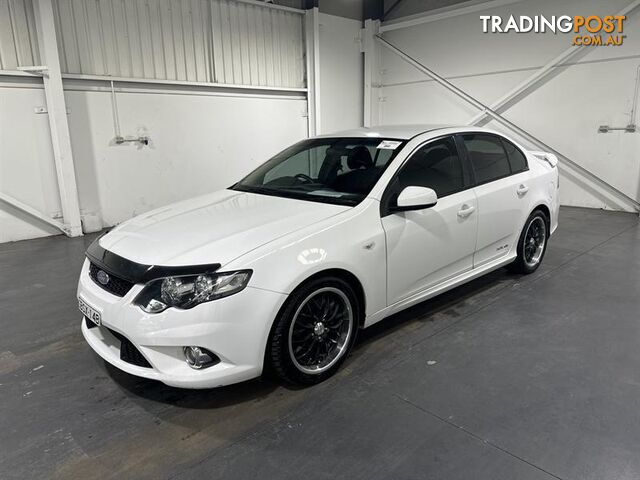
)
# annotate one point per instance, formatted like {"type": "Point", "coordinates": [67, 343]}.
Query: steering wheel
{"type": "Point", "coordinates": [302, 176]}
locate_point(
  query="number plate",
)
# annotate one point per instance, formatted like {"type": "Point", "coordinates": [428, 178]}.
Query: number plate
{"type": "Point", "coordinates": [89, 312]}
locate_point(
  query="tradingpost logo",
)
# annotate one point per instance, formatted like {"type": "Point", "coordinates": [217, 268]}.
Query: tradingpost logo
{"type": "Point", "coordinates": [592, 30]}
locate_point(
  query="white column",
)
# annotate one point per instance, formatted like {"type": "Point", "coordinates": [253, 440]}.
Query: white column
{"type": "Point", "coordinates": [371, 73]}
{"type": "Point", "coordinates": [312, 44]}
{"type": "Point", "coordinates": [57, 110]}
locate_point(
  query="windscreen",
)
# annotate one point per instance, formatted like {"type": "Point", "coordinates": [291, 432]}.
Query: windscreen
{"type": "Point", "coordinates": [331, 170]}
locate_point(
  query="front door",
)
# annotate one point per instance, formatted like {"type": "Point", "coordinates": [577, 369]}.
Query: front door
{"type": "Point", "coordinates": [429, 246]}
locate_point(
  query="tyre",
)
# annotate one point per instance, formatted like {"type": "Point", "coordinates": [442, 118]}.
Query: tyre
{"type": "Point", "coordinates": [532, 244]}
{"type": "Point", "coordinates": [314, 331]}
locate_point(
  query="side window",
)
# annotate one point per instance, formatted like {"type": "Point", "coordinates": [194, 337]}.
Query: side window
{"type": "Point", "coordinates": [516, 158]}
{"type": "Point", "coordinates": [488, 158]}
{"type": "Point", "coordinates": [437, 166]}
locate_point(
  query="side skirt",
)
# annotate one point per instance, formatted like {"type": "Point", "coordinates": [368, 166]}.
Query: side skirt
{"type": "Point", "coordinates": [438, 289]}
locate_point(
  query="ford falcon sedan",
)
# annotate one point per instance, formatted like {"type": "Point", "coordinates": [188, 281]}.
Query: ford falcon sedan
{"type": "Point", "coordinates": [280, 271]}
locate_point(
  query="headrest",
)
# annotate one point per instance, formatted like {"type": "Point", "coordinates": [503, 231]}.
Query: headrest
{"type": "Point", "coordinates": [359, 157]}
{"type": "Point", "coordinates": [336, 151]}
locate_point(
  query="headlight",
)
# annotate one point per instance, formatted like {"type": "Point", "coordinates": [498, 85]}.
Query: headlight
{"type": "Point", "coordinates": [190, 290]}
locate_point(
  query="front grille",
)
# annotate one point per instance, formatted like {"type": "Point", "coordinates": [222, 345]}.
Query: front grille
{"type": "Point", "coordinates": [116, 286]}
{"type": "Point", "coordinates": [128, 352]}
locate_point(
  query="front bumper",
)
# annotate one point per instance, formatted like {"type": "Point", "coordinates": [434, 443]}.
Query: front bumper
{"type": "Point", "coordinates": [235, 328]}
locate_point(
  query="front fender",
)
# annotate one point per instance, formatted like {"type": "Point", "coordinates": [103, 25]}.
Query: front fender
{"type": "Point", "coordinates": [355, 242]}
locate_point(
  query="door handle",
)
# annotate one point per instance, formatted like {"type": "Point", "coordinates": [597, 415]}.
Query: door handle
{"type": "Point", "coordinates": [522, 189]}
{"type": "Point", "coordinates": [466, 210]}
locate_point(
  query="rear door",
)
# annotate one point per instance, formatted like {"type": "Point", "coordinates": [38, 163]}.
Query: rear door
{"type": "Point", "coordinates": [426, 247]}
{"type": "Point", "coordinates": [501, 191]}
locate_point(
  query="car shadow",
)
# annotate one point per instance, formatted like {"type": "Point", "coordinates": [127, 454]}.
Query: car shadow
{"type": "Point", "coordinates": [153, 390]}
{"type": "Point", "coordinates": [442, 303]}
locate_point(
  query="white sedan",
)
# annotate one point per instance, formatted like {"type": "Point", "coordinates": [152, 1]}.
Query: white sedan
{"type": "Point", "coordinates": [337, 232]}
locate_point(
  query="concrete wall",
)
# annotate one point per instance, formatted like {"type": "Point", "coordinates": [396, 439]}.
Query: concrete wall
{"type": "Point", "coordinates": [595, 88]}
{"type": "Point", "coordinates": [203, 137]}
{"type": "Point", "coordinates": [199, 143]}
{"type": "Point", "coordinates": [27, 170]}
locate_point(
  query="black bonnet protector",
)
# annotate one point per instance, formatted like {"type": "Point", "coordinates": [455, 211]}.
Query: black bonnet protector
{"type": "Point", "coordinates": [138, 272]}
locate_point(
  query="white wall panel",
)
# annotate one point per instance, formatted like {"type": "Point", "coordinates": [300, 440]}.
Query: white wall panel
{"type": "Point", "coordinates": [199, 144]}
{"type": "Point", "coordinates": [341, 73]}
{"type": "Point", "coordinates": [212, 41]}
{"type": "Point", "coordinates": [18, 42]}
{"type": "Point", "coordinates": [202, 138]}
{"type": "Point", "coordinates": [27, 171]}
{"type": "Point", "coordinates": [595, 88]}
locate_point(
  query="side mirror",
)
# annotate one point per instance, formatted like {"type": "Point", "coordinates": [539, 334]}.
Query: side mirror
{"type": "Point", "coordinates": [416, 198]}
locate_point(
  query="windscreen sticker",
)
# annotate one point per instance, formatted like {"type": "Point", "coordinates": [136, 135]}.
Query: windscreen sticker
{"type": "Point", "coordinates": [389, 144]}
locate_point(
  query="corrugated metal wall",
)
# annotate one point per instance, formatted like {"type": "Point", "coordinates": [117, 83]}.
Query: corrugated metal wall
{"type": "Point", "coordinates": [257, 46]}
{"type": "Point", "coordinates": [18, 41]}
{"type": "Point", "coordinates": [213, 41]}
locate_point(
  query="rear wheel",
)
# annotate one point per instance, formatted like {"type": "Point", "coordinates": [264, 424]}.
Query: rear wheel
{"type": "Point", "coordinates": [314, 332]}
{"type": "Point", "coordinates": [532, 244]}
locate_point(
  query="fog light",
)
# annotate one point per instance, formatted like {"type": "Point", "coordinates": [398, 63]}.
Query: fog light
{"type": "Point", "coordinates": [198, 357]}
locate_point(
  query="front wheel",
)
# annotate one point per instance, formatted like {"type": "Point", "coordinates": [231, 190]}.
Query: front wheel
{"type": "Point", "coordinates": [314, 332]}
{"type": "Point", "coordinates": [532, 244]}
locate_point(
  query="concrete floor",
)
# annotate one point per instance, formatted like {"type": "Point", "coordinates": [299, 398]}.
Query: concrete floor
{"type": "Point", "coordinates": [534, 377]}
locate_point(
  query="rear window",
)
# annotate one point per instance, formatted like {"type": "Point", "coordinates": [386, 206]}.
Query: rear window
{"type": "Point", "coordinates": [487, 156]}
{"type": "Point", "coordinates": [516, 158]}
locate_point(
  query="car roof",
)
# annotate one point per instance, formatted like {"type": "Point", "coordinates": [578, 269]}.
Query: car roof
{"type": "Point", "coordinates": [402, 132]}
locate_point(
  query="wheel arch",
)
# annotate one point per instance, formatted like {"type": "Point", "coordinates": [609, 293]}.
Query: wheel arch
{"type": "Point", "coordinates": [348, 277]}
{"type": "Point", "coordinates": [544, 209]}
{"type": "Point", "coordinates": [341, 273]}
{"type": "Point", "coordinates": [541, 206]}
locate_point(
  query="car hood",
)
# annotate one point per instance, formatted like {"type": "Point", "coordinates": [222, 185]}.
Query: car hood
{"type": "Point", "coordinates": [214, 228]}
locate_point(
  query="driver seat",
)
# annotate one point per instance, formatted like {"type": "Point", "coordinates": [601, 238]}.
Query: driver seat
{"type": "Point", "coordinates": [362, 175]}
